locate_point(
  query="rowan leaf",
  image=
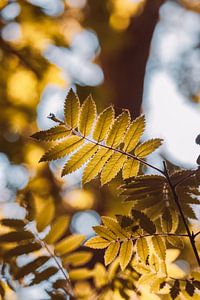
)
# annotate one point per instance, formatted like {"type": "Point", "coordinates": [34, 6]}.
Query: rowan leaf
{"type": "Point", "coordinates": [63, 148]}
{"type": "Point", "coordinates": [13, 223]}
{"type": "Point", "coordinates": [130, 168]}
{"type": "Point", "coordinates": [45, 216]}
{"type": "Point", "coordinates": [87, 116]}
{"type": "Point", "coordinates": [189, 287]}
{"type": "Point", "coordinates": [69, 244]}
{"type": "Point", "coordinates": [175, 219]}
{"type": "Point", "coordinates": [115, 227]}
{"type": "Point", "coordinates": [79, 158]}
{"type": "Point", "coordinates": [147, 147]}
{"type": "Point", "coordinates": [147, 279]}
{"type": "Point", "coordinates": [125, 253]}
{"type": "Point", "coordinates": [104, 232]}
{"type": "Point", "coordinates": [16, 236]}
{"type": "Point", "coordinates": [22, 249]}
{"type": "Point", "coordinates": [71, 109]}
{"type": "Point", "coordinates": [116, 134]}
{"type": "Point", "coordinates": [97, 243]}
{"type": "Point", "coordinates": [77, 259]}
{"type": "Point", "coordinates": [58, 228]}
{"type": "Point", "coordinates": [44, 275]}
{"type": "Point", "coordinates": [112, 167]}
{"type": "Point", "coordinates": [124, 221]}
{"type": "Point", "coordinates": [134, 134]}
{"type": "Point", "coordinates": [103, 124]}
{"type": "Point", "coordinates": [159, 247]}
{"type": "Point", "coordinates": [80, 274]}
{"type": "Point", "coordinates": [166, 221]}
{"type": "Point", "coordinates": [175, 290]}
{"type": "Point", "coordinates": [176, 241]}
{"type": "Point", "coordinates": [111, 252]}
{"type": "Point", "coordinates": [96, 164]}
{"type": "Point", "coordinates": [142, 249]}
{"type": "Point", "coordinates": [144, 221]}
{"type": "Point", "coordinates": [52, 134]}
{"type": "Point", "coordinates": [31, 267]}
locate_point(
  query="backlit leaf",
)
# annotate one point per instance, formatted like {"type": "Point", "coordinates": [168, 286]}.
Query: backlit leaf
{"type": "Point", "coordinates": [112, 167]}
{"type": "Point", "coordinates": [142, 249]}
{"type": "Point", "coordinates": [103, 124]}
{"type": "Point", "coordinates": [130, 168]}
{"type": "Point", "coordinates": [111, 252]}
{"type": "Point", "coordinates": [134, 134]}
{"type": "Point", "coordinates": [52, 134]}
{"type": "Point", "coordinates": [80, 274]}
{"type": "Point", "coordinates": [116, 134]}
{"type": "Point", "coordinates": [97, 243]}
{"type": "Point", "coordinates": [147, 279]}
{"type": "Point", "coordinates": [71, 109]}
{"type": "Point", "coordinates": [45, 216]}
{"type": "Point", "coordinates": [144, 221]}
{"type": "Point", "coordinates": [166, 221]}
{"type": "Point", "coordinates": [96, 164]}
{"type": "Point", "coordinates": [63, 148]}
{"type": "Point", "coordinates": [104, 232]}
{"type": "Point", "coordinates": [147, 147]}
{"type": "Point", "coordinates": [176, 241]}
{"type": "Point", "coordinates": [58, 228]}
{"type": "Point", "coordinates": [115, 227]}
{"type": "Point", "coordinates": [77, 259]}
{"type": "Point", "coordinates": [159, 247]}
{"type": "Point", "coordinates": [79, 158]}
{"type": "Point", "coordinates": [87, 116]}
{"type": "Point", "coordinates": [175, 219]}
{"type": "Point", "coordinates": [125, 254]}
{"type": "Point", "coordinates": [69, 244]}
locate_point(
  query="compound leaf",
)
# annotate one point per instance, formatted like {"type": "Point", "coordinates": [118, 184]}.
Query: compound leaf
{"type": "Point", "coordinates": [134, 134]}
{"type": "Point", "coordinates": [111, 252]}
{"type": "Point", "coordinates": [87, 116]}
{"type": "Point", "coordinates": [125, 254]}
{"type": "Point", "coordinates": [71, 109]}
{"type": "Point", "coordinates": [103, 124]}
{"type": "Point", "coordinates": [130, 168]}
{"type": "Point", "coordinates": [159, 247]}
{"type": "Point", "coordinates": [147, 147]}
{"type": "Point", "coordinates": [142, 249]}
{"type": "Point", "coordinates": [97, 243]}
{"type": "Point", "coordinates": [115, 227]}
{"type": "Point", "coordinates": [52, 134]}
{"type": "Point", "coordinates": [104, 232]}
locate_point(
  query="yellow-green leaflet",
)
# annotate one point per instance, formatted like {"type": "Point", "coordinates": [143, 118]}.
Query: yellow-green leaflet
{"type": "Point", "coordinates": [80, 274]}
{"type": "Point", "coordinates": [77, 259]}
{"type": "Point", "coordinates": [112, 167]}
{"type": "Point", "coordinates": [134, 134]}
{"type": "Point", "coordinates": [116, 134]}
{"type": "Point", "coordinates": [111, 252]}
{"type": "Point", "coordinates": [97, 243]}
{"type": "Point", "coordinates": [63, 148]}
{"type": "Point", "coordinates": [159, 247]}
{"type": "Point", "coordinates": [69, 244]}
{"type": "Point", "coordinates": [125, 253]}
{"type": "Point", "coordinates": [147, 279]}
{"type": "Point", "coordinates": [79, 158]}
{"type": "Point", "coordinates": [87, 116]}
{"type": "Point", "coordinates": [103, 124]}
{"type": "Point", "coordinates": [130, 168]}
{"type": "Point", "coordinates": [71, 109]}
{"type": "Point", "coordinates": [147, 147]}
{"type": "Point", "coordinates": [176, 241]}
{"type": "Point", "coordinates": [142, 249]}
{"type": "Point", "coordinates": [96, 164]}
{"type": "Point", "coordinates": [115, 227]}
{"type": "Point", "coordinates": [58, 228]}
{"type": "Point", "coordinates": [52, 134]}
{"type": "Point", "coordinates": [45, 216]}
{"type": "Point", "coordinates": [104, 232]}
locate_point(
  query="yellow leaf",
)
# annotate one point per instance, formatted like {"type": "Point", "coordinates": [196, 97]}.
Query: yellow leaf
{"type": "Point", "coordinates": [103, 124]}
{"type": "Point", "coordinates": [45, 216]}
{"type": "Point", "coordinates": [104, 232]}
{"type": "Point", "coordinates": [63, 148]}
{"type": "Point", "coordinates": [116, 134]}
{"type": "Point", "coordinates": [80, 274]}
{"type": "Point", "coordinates": [134, 134]}
{"type": "Point", "coordinates": [176, 241]}
{"type": "Point", "coordinates": [111, 252]}
{"type": "Point", "coordinates": [130, 168]}
{"type": "Point", "coordinates": [77, 259]}
{"type": "Point", "coordinates": [147, 147]}
{"type": "Point", "coordinates": [79, 158]}
{"type": "Point", "coordinates": [96, 164]}
{"type": "Point", "coordinates": [69, 244]}
{"type": "Point", "coordinates": [147, 279]}
{"type": "Point", "coordinates": [112, 167]}
{"type": "Point", "coordinates": [159, 246]}
{"type": "Point", "coordinates": [71, 109]}
{"type": "Point", "coordinates": [125, 253]}
{"type": "Point", "coordinates": [52, 134]}
{"type": "Point", "coordinates": [58, 228]}
{"type": "Point", "coordinates": [87, 116]}
{"type": "Point", "coordinates": [175, 219]}
{"type": "Point", "coordinates": [142, 249]}
{"type": "Point", "coordinates": [97, 243]}
{"type": "Point", "coordinates": [115, 227]}
{"type": "Point", "coordinates": [166, 221]}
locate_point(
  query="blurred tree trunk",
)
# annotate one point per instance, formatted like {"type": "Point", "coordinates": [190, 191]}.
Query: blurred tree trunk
{"type": "Point", "coordinates": [123, 54]}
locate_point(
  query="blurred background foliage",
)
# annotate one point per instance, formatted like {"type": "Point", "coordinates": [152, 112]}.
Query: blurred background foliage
{"type": "Point", "coordinates": [141, 55]}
